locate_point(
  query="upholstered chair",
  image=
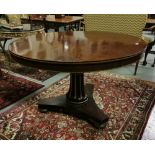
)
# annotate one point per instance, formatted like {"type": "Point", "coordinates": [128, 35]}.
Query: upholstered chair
{"type": "Point", "coordinates": [14, 19]}
{"type": "Point", "coordinates": [131, 24]}
{"type": "Point", "coordinates": [149, 37]}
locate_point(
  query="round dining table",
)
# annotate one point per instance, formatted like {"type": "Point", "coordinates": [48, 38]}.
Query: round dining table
{"type": "Point", "coordinates": [77, 52]}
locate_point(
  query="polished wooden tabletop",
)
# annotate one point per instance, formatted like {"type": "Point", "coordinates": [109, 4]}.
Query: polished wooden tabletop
{"type": "Point", "coordinates": [150, 21]}
{"type": "Point", "coordinates": [52, 18]}
{"type": "Point", "coordinates": [65, 19]}
{"type": "Point", "coordinates": [75, 48]}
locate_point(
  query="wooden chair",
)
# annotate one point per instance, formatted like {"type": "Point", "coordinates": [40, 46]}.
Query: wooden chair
{"type": "Point", "coordinates": [131, 24]}
{"type": "Point", "coordinates": [150, 39]}
{"type": "Point", "coordinates": [78, 27]}
{"type": "Point", "coordinates": [150, 21]}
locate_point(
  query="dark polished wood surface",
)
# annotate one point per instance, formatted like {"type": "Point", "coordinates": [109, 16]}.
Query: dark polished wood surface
{"type": "Point", "coordinates": [77, 52]}
{"type": "Point", "coordinates": [73, 49]}
{"type": "Point", "coordinates": [52, 21]}
{"type": "Point", "coordinates": [152, 21]}
{"type": "Point", "coordinates": [65, 19]}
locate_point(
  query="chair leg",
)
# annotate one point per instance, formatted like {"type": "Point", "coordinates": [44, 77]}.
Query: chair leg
{"type": "Point", "coordinates": [153, 63]}
{"type": "Point", "coordinates": [145, 62]}
{"type": "Point", "coordinates": [148, 49]}
{"type": "Point", "coordinates": [136, 67]}
{"type": "Point", "coordinates": [1, 74]}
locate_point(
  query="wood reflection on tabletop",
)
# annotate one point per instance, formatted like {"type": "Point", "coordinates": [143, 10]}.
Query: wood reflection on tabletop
{"type": "Point", "coordinates": [24, 47]}
{"type": "Point", "coordinates": [50, 37]}
{"type": "Point", "coordinates": [111, 45]}
{"type": "Point", "coordinates": [77, 46]}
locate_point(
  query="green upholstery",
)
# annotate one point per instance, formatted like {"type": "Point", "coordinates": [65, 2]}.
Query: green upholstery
{"type": "Point", "coordinates": [14, 18]}
{"type": "Point", "coordinates": [131, 24]}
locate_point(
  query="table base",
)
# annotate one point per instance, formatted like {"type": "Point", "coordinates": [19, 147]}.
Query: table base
{"type": "Point", "coordinates": [2, 46]}
{"type": "Point", "coordinates": [87, 110]}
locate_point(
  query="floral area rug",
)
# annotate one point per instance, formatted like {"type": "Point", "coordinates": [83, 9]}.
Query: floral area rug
{"type": "Point", "coordinates": [13, 88]}
{"type": "Point", "coordinates": [127, 102]}
{"type": "Point", "coordinates": [31, 72]}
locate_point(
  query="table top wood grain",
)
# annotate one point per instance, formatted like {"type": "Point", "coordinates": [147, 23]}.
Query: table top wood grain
{"type": "Point", "coordinates": [77, 50]}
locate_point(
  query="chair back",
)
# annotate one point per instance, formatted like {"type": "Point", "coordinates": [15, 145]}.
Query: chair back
{"type": "Point", "coordinates": [14, 18]}
{"type": "Point", "coordinates": [131, 24]}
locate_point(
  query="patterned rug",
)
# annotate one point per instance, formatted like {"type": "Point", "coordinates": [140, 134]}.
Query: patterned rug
{"type": "Point", "coordinates": [13, 88]}
{"type": "Point", "coordinates": [127, 102]}
{"type": "Point", "coordinates": [31, 72]}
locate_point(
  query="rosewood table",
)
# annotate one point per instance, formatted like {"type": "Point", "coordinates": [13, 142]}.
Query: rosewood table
{"type": "Point", "coordinates": [149, 22]}
{"type": "Point", "coordinates": [54, 22]}
{"type": "Point", "coordinates": [77, 52]}
{"type": "Point", "coordinates": [70, 21]}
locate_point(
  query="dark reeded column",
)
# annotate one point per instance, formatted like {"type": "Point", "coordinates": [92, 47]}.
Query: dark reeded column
{"type": "Point", "coordinates": [2, 46]}
{"type": "Point", "coordinates": [76, 91]}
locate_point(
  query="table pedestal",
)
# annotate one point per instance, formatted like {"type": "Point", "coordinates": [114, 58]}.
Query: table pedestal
{"type": "Point", "coordinates": [2, 46]}
{"type": "Point", "coordinates": [76, 102]}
